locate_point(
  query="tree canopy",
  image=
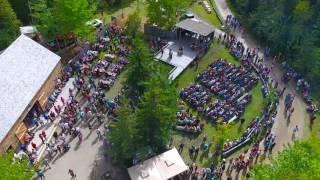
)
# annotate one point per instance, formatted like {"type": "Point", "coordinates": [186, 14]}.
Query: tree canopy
{"type": "Point", "coordinates": [10, 170]}
{"type": "Point", "coordinates": [121, 135]}
{"type": "Point", "coordinates": [164, 13]}
{"type": "Point", "coordinates": [60, 17]}
{"type": "Point", "coordinates": [291, 27]}
{"type": "Point", "coordinates": [300, 161]}
{"type": "Point", "coordinates": [139, 70]}
{"type": "Point", "coordinates": [9, 24]}
{"type": "Point", "coordinates": [134, 134]}
{"type": "Point", "coordinates": [155, 115]}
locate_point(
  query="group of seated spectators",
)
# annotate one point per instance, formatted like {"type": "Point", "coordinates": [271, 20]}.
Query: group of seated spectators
{"type": "Point", "coordinates": [226, 80]}
{"type": "Point", "coordinates": [196, 96]}
{"type": "Point", "coordinates": [188, 123]}
{"type": "Point", "coordinates": [229, 83]}
{"type": "Point", "coordinates": [227, 110]}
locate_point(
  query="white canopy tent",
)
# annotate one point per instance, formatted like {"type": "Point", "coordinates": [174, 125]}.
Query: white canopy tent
{"type": "Point", "coordinates": [162, 167]}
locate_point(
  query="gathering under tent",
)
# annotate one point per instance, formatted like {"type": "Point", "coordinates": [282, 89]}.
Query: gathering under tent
{"type": "Point", "coordinates": [161, 167]}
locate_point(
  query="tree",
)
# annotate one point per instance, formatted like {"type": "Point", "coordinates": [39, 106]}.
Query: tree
{"type": "Point", "coordinates": [139, 70]}
{"type": "Point", "coordinates": [121, 135]}
{"type": "Point", "coordinates": [300, 161]}
{"type": "Point", "coordinates": [133, 25]}
{"type": "Point", "coordinates": [10, 170]}
{"type": "Point", "coordinates": [291, 27]}
{"type": "Point", "coordinates": [63, 17]}
{"type": "Point", "coordinates": [9, 24]}
{"type": "Point", "coordinates": [155, 115]}
{"type": "Point", "coordinates": [164, 12]}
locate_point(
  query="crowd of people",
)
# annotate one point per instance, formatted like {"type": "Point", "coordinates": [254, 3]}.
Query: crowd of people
{"type": "Point", "coordinates": [229, 83]}
{"type": "Point", "coordinates": [196, 96]}
{"type": "Point", "coordinates": [87, 103]}
{"type": "Point", "coordinates": [233, 22]}
{"type": "Point", "coordinates": [188, 123]}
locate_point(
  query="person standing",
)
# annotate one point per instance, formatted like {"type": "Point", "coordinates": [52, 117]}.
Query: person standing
{"type": "Point", "coordinates": [295, 130]}
{"type": "Point", "coordinates": [46, 163]}
{"type": "Point", "coordinates": [40, 175]}
{"type": "Point", "coordinates": [99, 133]}
{"type": "Point", "coordinates": [72, 174]}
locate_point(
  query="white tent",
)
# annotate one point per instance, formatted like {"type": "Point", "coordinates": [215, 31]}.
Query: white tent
{"type": "Point", "coordinates": [161, 167]}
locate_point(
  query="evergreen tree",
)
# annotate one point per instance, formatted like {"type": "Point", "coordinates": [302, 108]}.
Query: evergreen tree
{"type": "Point", "coordinates": [155, 115]}
{"type": "Point", "coordinates": [121, 136]}
{"type": "Point", "coordinates": [287, 26]}
{"type": "Point", "coordinates": [133, 25]}
{"type": "Point", "coordinates": [139, 70]}
{"type": "Point", "coordinates": [9, 24]}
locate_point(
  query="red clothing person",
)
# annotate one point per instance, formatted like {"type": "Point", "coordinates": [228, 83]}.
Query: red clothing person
{"type": "Point", "coordinates": [62, 99]}
{"type": "Point", "coordinates": [34, 146]}
{"type": "Point", "coordinates": [44, 135]}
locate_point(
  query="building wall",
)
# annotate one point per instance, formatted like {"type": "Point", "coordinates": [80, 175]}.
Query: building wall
{"type": "Point", "coordinates": [42, 97]}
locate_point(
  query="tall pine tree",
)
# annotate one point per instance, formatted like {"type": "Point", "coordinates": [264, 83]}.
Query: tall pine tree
{"type": "Point", "coordinates": [155, 115]}
{"type": "Point", "coordinates": [9, 24]}
{"type": "Point", "coordinates": [139, 70]}
{"type": "Point", "coordinates": [121, 136]}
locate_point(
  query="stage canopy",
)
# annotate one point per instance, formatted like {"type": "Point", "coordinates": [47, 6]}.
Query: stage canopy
{"type": "Point", "coordinates": [196, 26]}
{"type": "Point", "coordinates": [161, 167]}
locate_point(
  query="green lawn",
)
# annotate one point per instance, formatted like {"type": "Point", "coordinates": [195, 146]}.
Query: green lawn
{"type": "Point", "coordinates": [235, 129]}
{"type": "Point", "coordinates": [125, 8]}
{"type": "Point", "coordinates": [202, 13]}
{"type": "Point", "coordinates": [216, 51]}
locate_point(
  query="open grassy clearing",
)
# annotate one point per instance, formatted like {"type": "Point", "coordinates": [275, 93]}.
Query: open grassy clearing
{"type": "Point", "coordinates": [125, 8]}
{"type": "Point", "coordinates": [216, 51]}
{"type": "Point", "coordinates": [202, 13]}
{"type": "Point", "coordinates": [235, 129]}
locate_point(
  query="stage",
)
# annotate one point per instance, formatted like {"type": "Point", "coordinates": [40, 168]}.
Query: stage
{"type": "Point", "coordinates": [181, 62]}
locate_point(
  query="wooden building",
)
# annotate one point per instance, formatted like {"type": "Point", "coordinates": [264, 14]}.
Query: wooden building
{"type": "Point", "coordinates": [27, 76]}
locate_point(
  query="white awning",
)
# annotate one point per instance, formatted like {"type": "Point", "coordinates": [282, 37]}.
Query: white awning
{"type": "Point", "coordinates": [196, 26]}
{"type": "Point", "coordinates": [161, 167]}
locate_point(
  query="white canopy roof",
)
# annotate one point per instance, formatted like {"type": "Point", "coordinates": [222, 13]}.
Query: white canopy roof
{"type": "Point", "coordinates": [28, 30]}
{"type": "Point", "coordinates": [24, 67]}
{"type": "Point", "coordinates": [196, 26]}
{"type": "Point", "coordinates": [161, 167]}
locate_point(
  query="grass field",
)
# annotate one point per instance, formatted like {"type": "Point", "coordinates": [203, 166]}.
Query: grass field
{"type": "Point", "coordinates": [200, 11]}
{"type": "Point", "coordinates": [216, 51]}
{"type": "Point", "coordinates": [233, 130]}
{"type": "Point", "coordinates": [126, 8]}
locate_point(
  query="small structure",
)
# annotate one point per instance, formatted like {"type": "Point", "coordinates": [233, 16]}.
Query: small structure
{"type": "Point", "coordinates": [27, 74]}
{"type": "Point", "coordinates": [162, 167]}
{"type": "Point", "coordinates": [194, 37]}
{"type": "Point", "coordinates": [196, 26]}
{"type": "Point", "coordinates": [30, 31]}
